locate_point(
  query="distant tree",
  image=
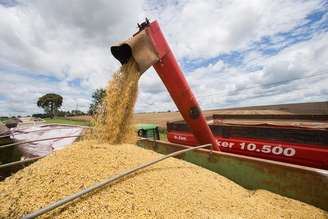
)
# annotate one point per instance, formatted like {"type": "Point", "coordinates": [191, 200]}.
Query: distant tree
{"type": "Point", "coordinates": [39, 115]}
{"type": "Point", "coordinates": [50, 103]}
{"type": "Point", "coordinates": [2, 118]}
{"type": "Point", "coordinates": [62, 113]}
{"type": "Point", "coordinates": [77, 113]}
{"type": "Point", "coordinates": [97, 99]}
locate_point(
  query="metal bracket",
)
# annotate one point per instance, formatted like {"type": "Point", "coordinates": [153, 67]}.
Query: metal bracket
{"type": "Point", "coordinates": [143, 25]}
{"type": "Point", "coordinates": [194, 112]}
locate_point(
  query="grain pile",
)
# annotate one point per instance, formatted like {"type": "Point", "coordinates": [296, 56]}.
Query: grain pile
{"type": "Point", "coordinates": [113, 121]}
{"type": "Point", "coordinates": [170, 189]}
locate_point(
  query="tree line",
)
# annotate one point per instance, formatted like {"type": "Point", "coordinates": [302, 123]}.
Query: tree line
{"type": "Point", "coordinates": [52, 102]}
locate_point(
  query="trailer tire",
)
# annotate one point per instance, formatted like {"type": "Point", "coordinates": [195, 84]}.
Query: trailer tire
{"type": "Point", "coordinates": [141, 132]}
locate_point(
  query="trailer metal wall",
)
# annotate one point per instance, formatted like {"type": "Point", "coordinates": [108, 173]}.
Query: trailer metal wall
{"type": "Point", "coordinates": [309, 185]}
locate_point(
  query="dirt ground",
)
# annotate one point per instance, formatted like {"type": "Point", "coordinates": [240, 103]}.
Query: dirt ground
{"type": "Point", "coordinates": [160, 118]}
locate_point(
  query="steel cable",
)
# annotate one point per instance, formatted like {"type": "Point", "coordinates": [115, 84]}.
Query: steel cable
{"type": "Point", "coordinates": [15, 163]}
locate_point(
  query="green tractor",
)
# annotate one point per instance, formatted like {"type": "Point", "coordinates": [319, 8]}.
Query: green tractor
{"type": "Point", "coordinates": [148, 131]}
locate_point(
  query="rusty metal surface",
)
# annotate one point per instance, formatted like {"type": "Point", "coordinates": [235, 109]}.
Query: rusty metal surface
{"type": "Point", "coordinates": [301, 124]}
{"type": "Point", "coordinates": [250, 115]}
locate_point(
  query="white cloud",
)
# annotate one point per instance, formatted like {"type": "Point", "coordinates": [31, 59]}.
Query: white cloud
{"type": "Point", "coordinates": [22, 92]}
{"type": "Point", "coordinates": [204, 29]}
{"type": "Point", "coordinates": [296, 74]}
{"type": "Point", "coordinates": [301, 59]}
{"type": "Point", "coordinates": [69, 40]}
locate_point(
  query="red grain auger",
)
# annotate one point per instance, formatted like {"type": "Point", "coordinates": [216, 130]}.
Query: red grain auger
{"type": "Point", "coordinates": [149, 48]}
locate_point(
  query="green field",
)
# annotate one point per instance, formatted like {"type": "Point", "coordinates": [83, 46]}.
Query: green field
{"type": "Point", "coordinates": [62, 120]}
{"type": "Point", "coordinates": [3, 119]}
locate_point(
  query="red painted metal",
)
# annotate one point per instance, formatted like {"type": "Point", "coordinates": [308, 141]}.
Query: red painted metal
{"type": "Point", "coordinates": [305, 154]}
{"type": "Point", "coordinates": [176, 84]}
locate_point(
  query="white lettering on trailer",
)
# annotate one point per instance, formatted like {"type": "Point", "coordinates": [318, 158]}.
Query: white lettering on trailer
{"type": "Point", "coordinates": [265, 148]}
{"type": "Point", "coordinates": [279, 150]}
{"type": "Point", "coordinates": [276, 150]}
{"type": "Point", "coordinates": [225, 144]}
{"type": "Point", "coordinates": [179, 137]}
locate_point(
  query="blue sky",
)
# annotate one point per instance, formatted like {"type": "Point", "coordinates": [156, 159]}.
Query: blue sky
{"type": "Point", "coordinates": [233, 53]}
{"type": "Point", "coordinates": [266, 44]}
